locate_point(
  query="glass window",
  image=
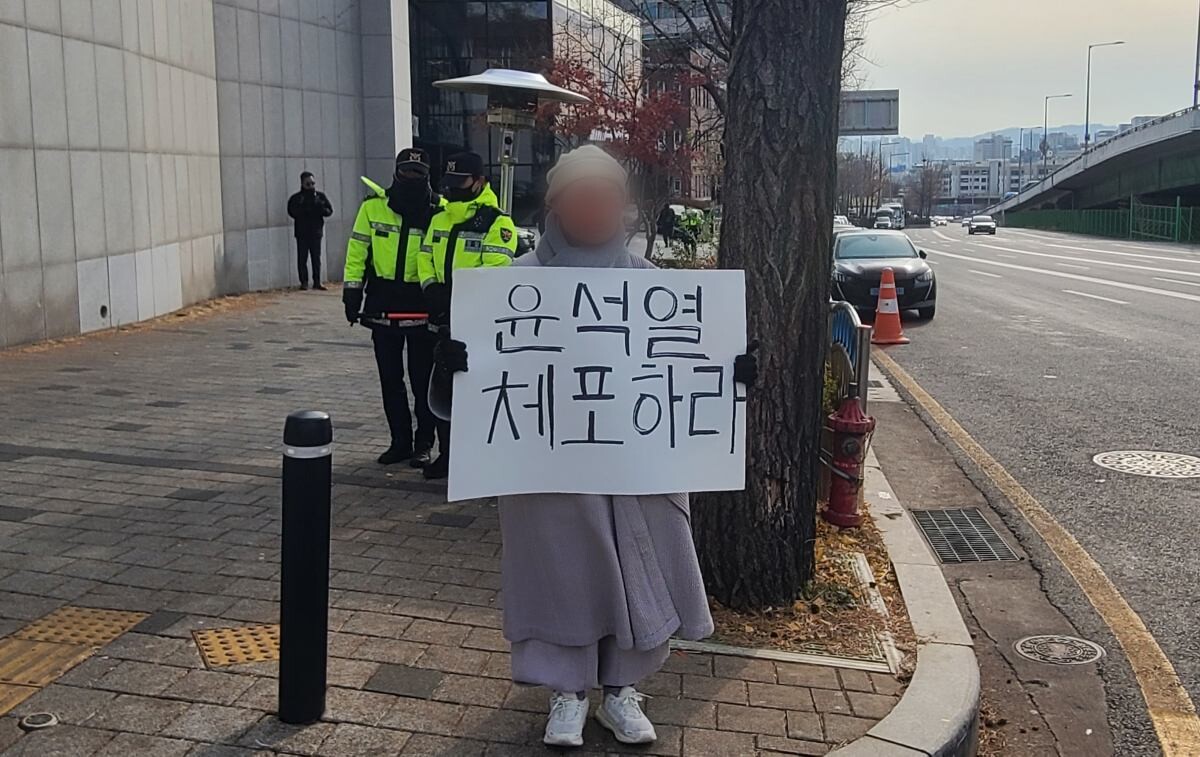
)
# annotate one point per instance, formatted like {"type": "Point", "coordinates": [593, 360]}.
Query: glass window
{"type": "Point", "coordinates": [865, 246]}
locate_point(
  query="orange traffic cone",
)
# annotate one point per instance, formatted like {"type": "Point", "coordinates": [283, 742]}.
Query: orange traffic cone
{"type": "Point", "coordinates": [887, 313]}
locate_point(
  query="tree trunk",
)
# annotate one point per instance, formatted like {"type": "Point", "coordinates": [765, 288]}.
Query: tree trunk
{"type": "Point", "coordinates": [781, 173]}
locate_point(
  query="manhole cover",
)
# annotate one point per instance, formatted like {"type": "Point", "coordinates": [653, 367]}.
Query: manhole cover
{"type": "Point", "coordinates": [1150, 463]}
{"type": "Point", "coordinates": [1059, 650]}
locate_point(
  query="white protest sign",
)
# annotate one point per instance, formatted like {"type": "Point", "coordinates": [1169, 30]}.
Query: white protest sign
{"type": "Point", "coordinates": [597, 381]}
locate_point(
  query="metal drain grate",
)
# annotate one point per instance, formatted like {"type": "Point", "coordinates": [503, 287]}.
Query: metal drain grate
{"type": "Point", "coordinates": [234, 646]}
{"type": "Point", "coordinates": [962, 535]}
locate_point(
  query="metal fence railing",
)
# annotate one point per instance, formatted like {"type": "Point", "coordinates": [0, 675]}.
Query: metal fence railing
{"type": "Point", "coordinates": [849, 352]}
{"type": "Point", "coordinates": [1164, 223]}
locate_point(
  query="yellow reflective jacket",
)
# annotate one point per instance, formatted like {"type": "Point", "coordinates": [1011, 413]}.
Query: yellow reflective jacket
{"type": "Point", "coordinates": [477, 234]}
{"type": "Point", "coordinates": [382, 254]}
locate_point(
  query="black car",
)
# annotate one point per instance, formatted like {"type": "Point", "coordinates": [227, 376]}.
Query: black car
{"type": "Point", "coordinates": [859, 258]}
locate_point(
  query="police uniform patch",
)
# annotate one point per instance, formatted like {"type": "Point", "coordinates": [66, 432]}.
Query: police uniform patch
{"type": "Point", "coordinates": [506, 235]}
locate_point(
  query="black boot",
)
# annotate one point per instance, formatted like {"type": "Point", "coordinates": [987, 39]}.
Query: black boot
{"type": "Point", "coordinates": [439, 468]}
{"type": "Point", "coordinates": [395, 454]}
{"type": "Point", "coordinates": [421, 457]}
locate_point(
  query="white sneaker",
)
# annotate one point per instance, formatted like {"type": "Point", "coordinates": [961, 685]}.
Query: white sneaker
{"type": "Point", "coordinates": [567, 716]}
{"type": "Point", "coordinates": [622, 714]}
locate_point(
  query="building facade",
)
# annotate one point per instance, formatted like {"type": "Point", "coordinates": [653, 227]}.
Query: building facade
{"type": "Point", "coordinates": [454, 38]}
{"type": "Point", "coordinates": [149, 147]}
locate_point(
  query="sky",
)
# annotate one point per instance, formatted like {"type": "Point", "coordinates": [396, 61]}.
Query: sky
{"type": "Point", "coordinates": [969, 66]}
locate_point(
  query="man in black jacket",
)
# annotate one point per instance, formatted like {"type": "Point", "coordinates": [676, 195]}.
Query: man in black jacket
{"type": "Point", "coordinates": [309, 208]}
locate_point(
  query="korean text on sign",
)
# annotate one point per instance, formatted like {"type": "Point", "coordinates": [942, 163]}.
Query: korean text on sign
{"type": "Point", "coordinates": [602, 381]}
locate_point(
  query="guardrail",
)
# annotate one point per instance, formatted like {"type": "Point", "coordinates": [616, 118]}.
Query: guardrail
{"type": "Point", "coordinates": [849, 352]}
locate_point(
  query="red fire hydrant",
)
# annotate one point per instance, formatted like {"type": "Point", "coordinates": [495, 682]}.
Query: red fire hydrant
{"type": "Point", "coordinates": [850, 428]}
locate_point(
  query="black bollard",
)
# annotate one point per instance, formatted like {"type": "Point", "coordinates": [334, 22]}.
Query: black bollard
{"type": "Point", "coordinates": [304, 566]}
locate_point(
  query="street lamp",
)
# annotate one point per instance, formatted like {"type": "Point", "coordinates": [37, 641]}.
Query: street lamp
{"type": "Point", "coordinates": [1046, 128]}
{"type": "Point", "coordinates": [1087, 99]}
{"type": "Point", "coordinates": [1196, 88]}
{"type": "Point", "coordinates": [891, 156]}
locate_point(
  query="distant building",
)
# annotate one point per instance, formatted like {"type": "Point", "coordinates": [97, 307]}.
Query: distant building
{"type": "Point", "coordinates": [995, 147]}
{"type": "Point", "coordinates": [931, 148]}
{"type": "Point", "coordinates": [1061, 141]}
{"type": "Point", "coordinates": [672, 54]}
{"type": "Point", "coordinates": [602, 36]}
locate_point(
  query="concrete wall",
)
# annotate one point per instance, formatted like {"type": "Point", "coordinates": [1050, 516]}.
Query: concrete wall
{"type": "Point", "coordinates": [110, 208]}
{"type": "Point", "coordinates": [148, 147]}
{"type": "Point", "coordinates": [289, 93]}
{"type": "Point", "coordinates": [387, 91]}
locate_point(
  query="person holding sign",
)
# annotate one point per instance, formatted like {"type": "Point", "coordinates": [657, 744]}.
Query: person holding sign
{"type": "Point", "coordinates": [470, 231]}
{"type": "Point", "coordinates": [595, 585]}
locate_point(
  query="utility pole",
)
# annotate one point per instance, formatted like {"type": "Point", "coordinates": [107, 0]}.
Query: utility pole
{"type": "Point", "coordinates": [1196, 86]}
{"type": "Point", "coordinates": [1087, 104]}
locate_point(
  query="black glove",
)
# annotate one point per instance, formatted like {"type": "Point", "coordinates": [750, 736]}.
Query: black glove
{"type": "Point", "coordinates": [450, 356]}
{"type": "Point", "coordinates": [352, 298]}
{"type": "Point", "coordinates": [437, 300]}
{"type": "Point", "coordinates": [745, 367]}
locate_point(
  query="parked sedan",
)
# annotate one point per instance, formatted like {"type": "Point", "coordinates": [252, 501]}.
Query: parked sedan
{"type": "Point", "coordinates": [982, 225]}
{"type": "Point", "coordinates": [859, 258]}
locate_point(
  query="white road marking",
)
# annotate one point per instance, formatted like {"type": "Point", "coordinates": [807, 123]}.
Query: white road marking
{"type": "Point", "coordinates": [934, 262]}
{"type": "Point", "coordinates": [1193, 260]}
{"type": "Point", "coordinates": [1095, 262]}
{"type": "Point", "coordinates": [1006, 257]}
{"type": "Point", "coordinates": [940, 235]}
{"type": "Point", "coordinates": [1072, 265]}
{"type": "Point", "coordinates": [1078, 277]}
{"type": "Point", "coordinates": [1176, 281]}
{"type": "Point", "coordinates": [985, 273]}
{"type": "Point", "coordinates": [1095, 297]}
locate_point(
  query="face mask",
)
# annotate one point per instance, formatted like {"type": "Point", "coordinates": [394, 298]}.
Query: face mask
{"type": "Point", "coordinates": [410, 186]}
{"type": "Point", "coordinates": [460, 194]}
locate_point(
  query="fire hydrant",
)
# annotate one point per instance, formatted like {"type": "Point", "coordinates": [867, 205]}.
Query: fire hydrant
{"type": "Point", "coordinates": [850, 428]}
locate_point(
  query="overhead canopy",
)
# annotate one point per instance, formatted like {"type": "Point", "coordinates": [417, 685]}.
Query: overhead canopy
{"type": "Point", "coordinates": [501, 81]}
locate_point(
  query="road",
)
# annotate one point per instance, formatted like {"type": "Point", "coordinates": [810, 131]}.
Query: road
{"type": "Point", "coordinates": [1051, 348]}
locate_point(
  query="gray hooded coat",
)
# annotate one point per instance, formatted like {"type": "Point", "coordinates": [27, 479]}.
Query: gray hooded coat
{"type": "Point", "coordinates": [590, 572]}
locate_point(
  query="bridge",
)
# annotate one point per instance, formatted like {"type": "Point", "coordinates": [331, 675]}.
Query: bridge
{"type": "Point", "coordinates": [1156, 163]}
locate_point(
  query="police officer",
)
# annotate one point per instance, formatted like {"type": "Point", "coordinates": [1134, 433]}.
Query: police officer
{"type": "Point", "coordinates": [381, 259]}
{"type": "Point", "coordinates": [470, 231]}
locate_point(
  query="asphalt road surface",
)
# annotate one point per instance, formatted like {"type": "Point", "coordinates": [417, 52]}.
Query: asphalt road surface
{"type": "Point", "coordinates": [1051, 348]}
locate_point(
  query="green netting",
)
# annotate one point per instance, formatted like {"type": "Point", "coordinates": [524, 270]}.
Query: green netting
{"type": "Point", "coordinates": [1167, 223]}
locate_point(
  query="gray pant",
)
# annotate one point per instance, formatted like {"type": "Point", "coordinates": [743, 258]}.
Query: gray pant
{"type": "Point", "coordinates": [574, 669]}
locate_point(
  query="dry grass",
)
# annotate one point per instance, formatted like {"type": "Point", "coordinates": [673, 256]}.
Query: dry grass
{"type": "Point", "coordinates": [832, 615]}
{"type": "Point", "coordinates": [991, 738]}
{"type": "Point", "coordinates": [228, 304]}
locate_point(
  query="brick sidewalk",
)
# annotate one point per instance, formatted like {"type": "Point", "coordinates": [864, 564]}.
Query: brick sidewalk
{"type": "Point", "coordinates": [139, 472]}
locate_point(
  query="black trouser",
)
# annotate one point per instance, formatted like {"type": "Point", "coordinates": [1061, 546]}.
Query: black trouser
{"type": "Point", "coordinates": [307, 247]}
{"type": "Point", "coordinates": [389, 357]}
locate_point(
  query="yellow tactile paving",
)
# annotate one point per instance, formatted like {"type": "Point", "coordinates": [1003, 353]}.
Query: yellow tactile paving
{"type": "Point", "coordinates": [37, 663]}
{"type": "Point", "coordinates": [80, 625]}
{"type": "Point", "coordinates": [11, 696]}
{"type": "Point", "coordinates": [234, 646]}
{"type": "Point", "coordinates": [42, 651]}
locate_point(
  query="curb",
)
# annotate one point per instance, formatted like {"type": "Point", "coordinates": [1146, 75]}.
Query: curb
{"type": "Point", "coordinates": [938, 715]}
